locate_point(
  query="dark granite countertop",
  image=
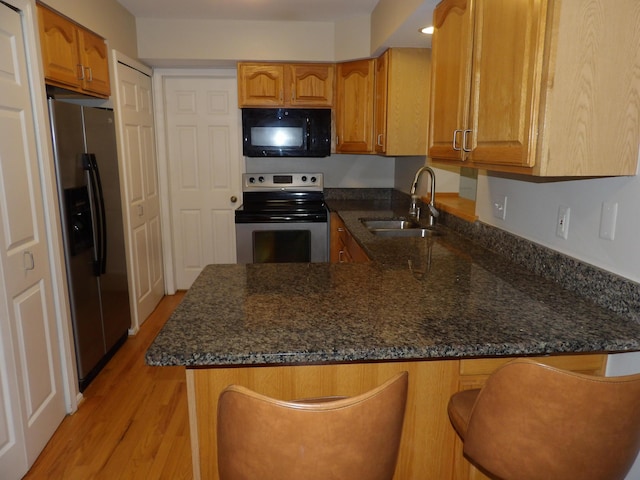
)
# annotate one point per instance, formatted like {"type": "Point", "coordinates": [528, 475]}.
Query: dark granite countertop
{"type": "Point", "coordinates": [436, 298]}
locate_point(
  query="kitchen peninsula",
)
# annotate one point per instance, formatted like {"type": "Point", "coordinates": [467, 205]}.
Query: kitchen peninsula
{"type": "Point", "coordinates": [442, 308]}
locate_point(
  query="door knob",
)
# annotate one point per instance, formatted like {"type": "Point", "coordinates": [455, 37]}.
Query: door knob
{"type": "Point", "coordinates": [233, 199]}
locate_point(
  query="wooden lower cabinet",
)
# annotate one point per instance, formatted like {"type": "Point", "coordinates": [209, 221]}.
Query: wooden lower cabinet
{"type": "Point", "coordinates": [344, 248]}
{"type": "Point", "coordinates": [428, 449]}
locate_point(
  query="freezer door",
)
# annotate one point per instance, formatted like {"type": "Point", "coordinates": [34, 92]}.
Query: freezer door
{"type": "Point", "coordinates": [114, 287]}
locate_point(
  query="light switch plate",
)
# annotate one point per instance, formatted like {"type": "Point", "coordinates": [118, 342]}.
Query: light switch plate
{"type": "Point", "coordinates": [500, 207]}
{"type": "Point", "coordinates": [608, 219]}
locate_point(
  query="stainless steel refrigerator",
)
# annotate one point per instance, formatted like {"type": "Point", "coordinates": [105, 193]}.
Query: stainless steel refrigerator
{"type": "Point", "coordinates": [88, 181]}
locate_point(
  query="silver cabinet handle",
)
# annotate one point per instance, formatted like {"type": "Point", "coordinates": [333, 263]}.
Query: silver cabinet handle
{"type": "Point", "coordinates": [455, 138]}
{"type": "Point", "coordinates": [340, 229]}
{"type": "Point", "coordinates": [379, 141]}
{"type": "Point", "coordinates": [340, 254]}
{"type": "Point", "coordinates": [90, 79]}
{"type": "Point", "coordinates": [28, 261]}
{"type": "Point", "coordinates": [80, 68]}
{"type": "Point", "coordinates": [464, 140]}
{"type": "Point", "coordinates": [233, 199]}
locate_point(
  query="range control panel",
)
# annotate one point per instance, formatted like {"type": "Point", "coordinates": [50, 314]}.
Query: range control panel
{"type": "Point", "coordinates": [257, 182]}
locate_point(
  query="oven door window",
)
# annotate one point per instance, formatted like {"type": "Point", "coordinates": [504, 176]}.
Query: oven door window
{"type": "Point", "coordinates": [281, 246]}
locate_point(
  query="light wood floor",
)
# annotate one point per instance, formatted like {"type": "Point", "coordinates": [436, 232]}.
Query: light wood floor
{"type": "Point", "coordinates": [132, 424]}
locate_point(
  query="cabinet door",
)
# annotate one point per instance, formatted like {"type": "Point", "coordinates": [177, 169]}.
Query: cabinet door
{"type": "Point", "coordinates": [31, 394]}
{"type": "Point", "coordinates": [59, 45]}
{"type": "Point", "coordinates": [354, 109]}
{"type": "Point", "coordinates": [310, 85]}
{"type": "Point", "coordinates": [507, 63]}
{"type": "Point", "coordinates": [93, 56]}
{"type": "Point", "coordinates": [382, 84]}
{"type": "Point", "coordinates": [260, 85]}
{"type": "Point", "coordinates": [134, 101]}
{"type": "Point", "coordinates": [451, 75]}
{"type": "Point", "coordinates": [402, 101]}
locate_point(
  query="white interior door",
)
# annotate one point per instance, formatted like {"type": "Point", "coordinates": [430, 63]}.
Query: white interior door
{"type": "Point", "coordinates": [32, 398]}
{"type": "Point", "coordinates": [205, 166]}
{"type": "Point", "coordinates": [142, 200]}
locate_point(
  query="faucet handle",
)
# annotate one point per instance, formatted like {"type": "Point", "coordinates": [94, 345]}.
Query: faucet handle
{"type": "Point", "coordinates": [433, 210]}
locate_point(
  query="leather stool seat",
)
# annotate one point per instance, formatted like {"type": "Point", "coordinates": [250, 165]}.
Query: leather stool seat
{"type": "Point", "coordinates": [316, 439]}
{"type": "Point", "coordinates": [535, 422]}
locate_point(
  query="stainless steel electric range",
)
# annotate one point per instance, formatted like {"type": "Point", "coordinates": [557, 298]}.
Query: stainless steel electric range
{"type": "Point", "coordinates": [283, 218]}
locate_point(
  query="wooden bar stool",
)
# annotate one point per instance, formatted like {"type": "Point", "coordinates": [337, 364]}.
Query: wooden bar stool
{"type": "Point", "coordinates": [533, 422]}
{"type": "Point", "coordinates": [339, 438]}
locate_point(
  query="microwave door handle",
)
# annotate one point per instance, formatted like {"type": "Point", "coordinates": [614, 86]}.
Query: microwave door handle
{"type": "Point", "coordinates": [308, 140]}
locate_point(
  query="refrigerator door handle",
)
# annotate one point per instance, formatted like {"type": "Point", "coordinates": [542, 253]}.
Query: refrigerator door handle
{"type": "Point", "coordinates": [103, 216]}
{"type": "Point", "coordinates": [91, 166]}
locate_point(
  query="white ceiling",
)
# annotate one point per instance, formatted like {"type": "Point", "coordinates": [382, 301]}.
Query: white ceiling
{"type": "Point", "coordinates": [282, 10]}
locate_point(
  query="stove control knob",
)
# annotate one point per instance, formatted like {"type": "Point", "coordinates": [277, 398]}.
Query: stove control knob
{"type": "Point", "coordinates": [313, 179]}
{"type": "Point", "coordinates": [252, 180]}
{"type": "Point", "coordinates": [304, 178]}
{"type": "Point", "coordinates": [261, 179]}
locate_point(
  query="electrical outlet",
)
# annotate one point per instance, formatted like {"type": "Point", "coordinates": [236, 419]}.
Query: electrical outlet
{"type": "Point", "coordinates": [562, 226]}
{"type": "Point", "coordinates": [500, 207]}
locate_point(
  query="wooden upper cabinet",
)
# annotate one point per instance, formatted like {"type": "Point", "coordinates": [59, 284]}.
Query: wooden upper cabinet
{"type": "Point", "coordinates": [285, 85]}
{"type": "Point", "coordinates": [260, 85]}
{"type": "Point", "coordinates": [311, 85]}
{"type": "Point", "coordinates": [59, 45]}
{"type": "Point", "coordinates": [93, 56]}
{"type": "Point", "coordinates": [505, 80]}
{"type": "Point", "coordinates": [402, 101]}
{"type": "Point", "coordinates": [72, 57]}
{"type": "Point", "coordinates": [483, 114]}
{"type": "Point", "coordinates": [451, 52]}
{"type": "Point", "coordinates": [522, 88]}
{"type": "Point", "coordinates": [355, 82]}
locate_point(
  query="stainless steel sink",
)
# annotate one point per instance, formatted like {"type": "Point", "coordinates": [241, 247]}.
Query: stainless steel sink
{"type": "Point", "coordinates": [395, 224]}
{"type": "Point", "coordinates": [398, 228]}
{"type": "Point", "coordinates": [405, 232]}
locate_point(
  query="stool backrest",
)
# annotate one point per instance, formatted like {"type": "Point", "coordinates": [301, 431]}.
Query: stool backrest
{"type": "Point", "coordinates": [532, 421]}
{"type": "Point", "coordinates": [349, 438]}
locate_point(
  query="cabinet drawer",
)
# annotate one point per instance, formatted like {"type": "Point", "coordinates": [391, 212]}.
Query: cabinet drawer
{"type": "Point", "coordinates": [592, 364]}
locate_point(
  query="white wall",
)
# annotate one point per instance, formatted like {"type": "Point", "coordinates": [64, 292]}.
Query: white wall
{"type": "Point", "coordinates": [387, 17]}
{"type": "Point", "coordinates": [207, 43]}
{"type": "Point", "coordinates": [179, 42]}
{"type": "Point", "coordinates": [352, 38]}
{"type": "Point", "coordinates": [532, 211]}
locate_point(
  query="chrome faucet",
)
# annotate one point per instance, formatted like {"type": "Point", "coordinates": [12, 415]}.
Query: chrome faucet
{"type": "Point", "coordinates": [414, 209]}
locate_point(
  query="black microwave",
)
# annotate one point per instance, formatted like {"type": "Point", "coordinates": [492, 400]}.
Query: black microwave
{"type": "Point", "coordinates": [286, 132]}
